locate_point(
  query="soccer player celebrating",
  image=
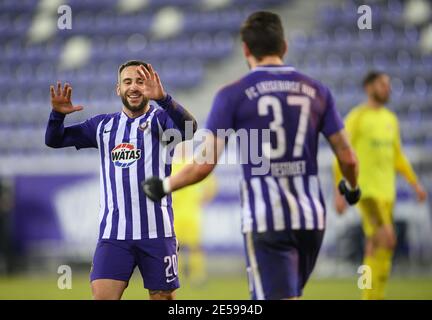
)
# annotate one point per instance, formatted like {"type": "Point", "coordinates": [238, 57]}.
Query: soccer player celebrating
{"type": "Point", "coordinates": [283, 211]}
{"type": "Point", "coordinates": [134, 230]}
{"type": "Point", "coordinates": [374, 133]}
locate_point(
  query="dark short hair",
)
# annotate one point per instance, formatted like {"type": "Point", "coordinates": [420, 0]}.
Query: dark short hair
{"type": "Point", "coordinates": [131, 63]}
{"type": "Point", "coordinates": [371, 76]}
{"type": "Point", "coordinates": [263, 34]}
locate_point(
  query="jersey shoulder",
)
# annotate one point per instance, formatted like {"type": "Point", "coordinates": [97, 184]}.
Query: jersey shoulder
{"type": "Point", "coordinates": [321, 87]}
{"type": "Point", "coordinates": [237, 88]}
{"type": "Point", "coordinates": [323, 92]}
{"type": "Point", "coordinates": [104, 116]}
{"type": "Point", "coordinates": [232, 90]}
{"type": "Point", "coordinates": [99, 118]}
{"type": "Point", "coordinates": [159, 117]}
{"type": "Point", "coordinates": [356, 111]}
{"type": "Point", "coordinates": [159, 114]}
{"type": "Point", "coordinates": [362, 108]}
{"type": "Point", "coordinates": [391, 114]}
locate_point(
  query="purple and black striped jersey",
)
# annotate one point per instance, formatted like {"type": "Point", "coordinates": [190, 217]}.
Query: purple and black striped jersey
{"type": "Point", "coordinates": [130, 151]}
{"type": "Point", "coordinates": [295, 109]}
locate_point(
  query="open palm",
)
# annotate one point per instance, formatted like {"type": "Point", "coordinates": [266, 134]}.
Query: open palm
{"type": "Point", "coordinates": [61, 99]}
{"type": "Point", "coordinates": [152, 88]}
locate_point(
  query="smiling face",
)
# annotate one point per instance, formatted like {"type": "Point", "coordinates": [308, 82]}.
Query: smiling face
{"type": "Point", "coordinates": [130, 89]}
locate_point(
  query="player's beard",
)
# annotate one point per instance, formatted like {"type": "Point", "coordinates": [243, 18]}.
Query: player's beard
{"type": "Point", "coordinates": [381, 99]}
{"type": "Point", "coordinates": [135, 108]}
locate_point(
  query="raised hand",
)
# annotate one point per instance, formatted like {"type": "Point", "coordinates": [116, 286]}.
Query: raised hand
{"type": "Point", "coordinates": [61, 99]}
{"type": "Point", "coordinates": [153, 88]}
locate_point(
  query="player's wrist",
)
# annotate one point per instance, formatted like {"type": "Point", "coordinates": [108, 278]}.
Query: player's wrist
{"type": "Point", "coordinates": [352, 196]}
{"type": "Point", "coordinates": [350, 187]}
{"type": "Point", "coordinates": [166, 185]}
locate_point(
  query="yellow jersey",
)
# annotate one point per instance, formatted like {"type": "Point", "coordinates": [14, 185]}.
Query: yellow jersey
{"type": "Point", "coordinates": [374, 135]}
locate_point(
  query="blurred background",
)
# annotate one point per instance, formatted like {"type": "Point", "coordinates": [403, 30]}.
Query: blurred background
{"type": "Point", "coordinates": [49, 198]}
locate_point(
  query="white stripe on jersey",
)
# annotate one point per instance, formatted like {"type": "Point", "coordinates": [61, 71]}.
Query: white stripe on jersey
{"type": "Point", "coordinates": [304, 202]}
{"type": "Point", "coordinates": [314, 192]}
{"type": "Point", "coordinates": [118, 173]}
{"type": "Point", "coordinates": [254, 267]}
{"type": "Point", "coordinates": [107, 156]}
{"type": "Point", "coordinates": [260, 207]}
{"type": "Point", "coordinates": [101, 175]}
{"type": "Point", "coordinates": [246, 211]}
{"type": "Point", "coordinates": [134, 188]}
{"type": "Point", "coordinates": [164, 204]}
{"type": "Point", "coordinates": [148, 172]}
{"type": "Point", "coordinates": [276, 204]}
{"type": "Point", "coordinates": [292, 204]}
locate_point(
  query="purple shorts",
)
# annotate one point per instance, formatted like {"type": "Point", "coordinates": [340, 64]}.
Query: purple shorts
{"type": "Point", "coordinates": [279, 263]}
{"type": "Point", "coordinates": [155, 258]}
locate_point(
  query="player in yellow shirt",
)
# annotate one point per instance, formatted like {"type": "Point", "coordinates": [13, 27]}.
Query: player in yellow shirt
{"type": "Point", "coordinates": [374, 134]}
{"type": "Point", "coordinates": [187, 204]}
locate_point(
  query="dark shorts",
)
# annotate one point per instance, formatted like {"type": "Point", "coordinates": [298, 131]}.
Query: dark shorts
{"type": "Point", "coordinates": [279, 263]}
{"type": "Point", "coordinates": [155, 258]}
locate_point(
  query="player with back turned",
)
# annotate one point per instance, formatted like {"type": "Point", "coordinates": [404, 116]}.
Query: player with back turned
{"type": "Point", "coordinates": [374, 133]}
{"type": "Point", "coordinates": [134, 230]}
{"type": "Point", "coordinates": [283, 211]}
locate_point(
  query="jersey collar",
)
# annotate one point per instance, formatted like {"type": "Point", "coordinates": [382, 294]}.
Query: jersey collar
{"type": "Point", "coordinates": [124, 116]}
{"type": "Point", "coordinates": [274, 67]}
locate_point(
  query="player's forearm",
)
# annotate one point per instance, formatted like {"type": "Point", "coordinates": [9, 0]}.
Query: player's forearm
{"type": "Point", "coordinates": [156, 189]}
{"type": "Point", "coordinates": [408, 173]}
{"type": "Point", "coordinates": [190, 174]}
{"type": "Point", "coordinates": [403, 166]}
{"type": "Point", "coordinates": [179, 115]}
{"type": "Point", "coordinates": [349, 167]}
{"type": "Point", "coordinates": [337, 174]}
{"type": "Point", "coordinates": [345, 156]}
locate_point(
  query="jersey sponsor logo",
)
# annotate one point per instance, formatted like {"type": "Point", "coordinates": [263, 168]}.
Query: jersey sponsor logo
{"type": "Point", "coordinates": [125, 154]}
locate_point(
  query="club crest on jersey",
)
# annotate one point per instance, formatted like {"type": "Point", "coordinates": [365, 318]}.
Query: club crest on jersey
{"type": "Point", "coordinates": [143, 126]}
{"type": "Point", "coordinates": [124, 155]}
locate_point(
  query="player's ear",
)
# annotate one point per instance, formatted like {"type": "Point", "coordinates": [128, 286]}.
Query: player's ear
{"type": "Point", "coordinates": [367, 89]}
{"type": "Point", "coordinates": [246, 50]}
{"type": "Point", "coordinates": [285, 49]}
{"type": "Point", "coordinates": [118, 89]}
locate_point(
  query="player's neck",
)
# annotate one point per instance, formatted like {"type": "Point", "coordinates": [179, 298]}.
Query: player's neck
{"type": "Point", "coordinates": [135, 114]}
{"type": "Point", "coordinates": [269, 60]}
{"type": "Point", "coordinates": [374, 104]}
